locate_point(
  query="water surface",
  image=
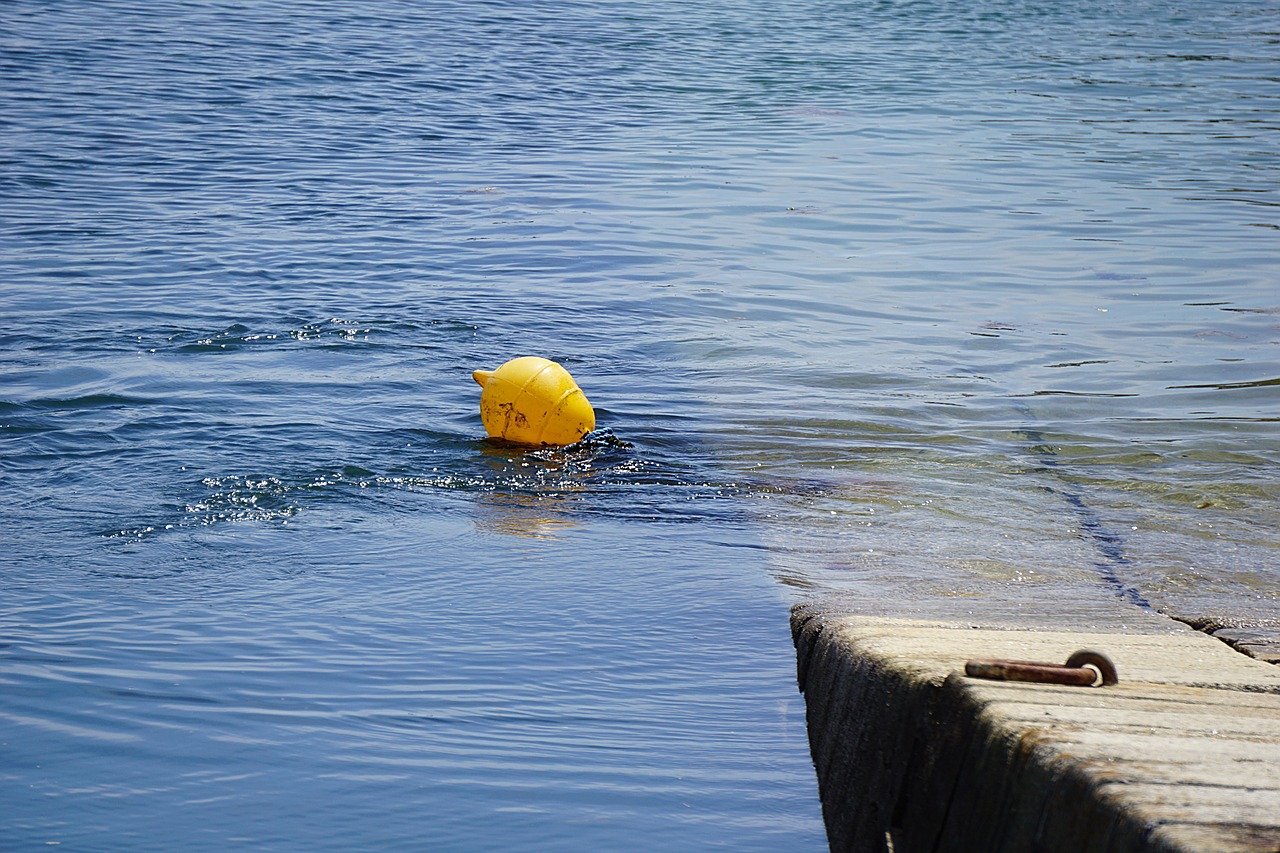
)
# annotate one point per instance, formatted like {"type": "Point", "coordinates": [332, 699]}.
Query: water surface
{"type": "Point", "coordinates": [944, 309]}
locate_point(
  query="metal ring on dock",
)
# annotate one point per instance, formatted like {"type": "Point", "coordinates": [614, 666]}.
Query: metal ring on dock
{"type": "Point", "coordinates": [1085, 668]}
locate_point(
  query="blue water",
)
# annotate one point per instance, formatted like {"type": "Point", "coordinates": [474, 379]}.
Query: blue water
{"type": "Point", "coordinates": [914, 303]}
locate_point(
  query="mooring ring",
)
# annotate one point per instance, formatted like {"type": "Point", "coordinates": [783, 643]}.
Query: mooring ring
{"type": "Point", "coordinates": [1085, 668]}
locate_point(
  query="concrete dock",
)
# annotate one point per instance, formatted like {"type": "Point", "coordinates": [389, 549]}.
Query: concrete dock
{"type": "Point", "coordinates": [1183, 754]}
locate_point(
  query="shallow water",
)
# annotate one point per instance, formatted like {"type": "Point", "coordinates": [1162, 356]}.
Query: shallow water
{"type": "Point", "coordinates": [942, 309]}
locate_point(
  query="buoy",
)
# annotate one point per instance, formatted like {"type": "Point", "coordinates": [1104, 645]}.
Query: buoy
{"type": "Point", "coordinates": [533, 400]}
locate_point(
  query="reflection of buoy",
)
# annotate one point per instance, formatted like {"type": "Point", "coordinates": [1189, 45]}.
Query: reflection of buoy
{"type": "Point", "coordinates": [531, 400]}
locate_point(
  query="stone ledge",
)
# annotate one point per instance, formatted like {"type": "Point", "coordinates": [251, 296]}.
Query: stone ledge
{"type": "Point", "coordinates": [911, 755]}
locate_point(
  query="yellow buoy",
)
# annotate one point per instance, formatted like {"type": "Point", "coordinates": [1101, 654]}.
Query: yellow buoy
{"type": "Point", "coordinates": [532, 400]}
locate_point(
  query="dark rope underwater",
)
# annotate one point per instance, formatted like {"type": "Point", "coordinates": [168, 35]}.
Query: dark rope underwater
{"type": "Point", "coordinates": [1092, 528]}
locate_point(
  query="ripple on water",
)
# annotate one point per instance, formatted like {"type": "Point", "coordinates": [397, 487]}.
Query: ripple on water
{"type": "Point", "coordinates": [928, 305]}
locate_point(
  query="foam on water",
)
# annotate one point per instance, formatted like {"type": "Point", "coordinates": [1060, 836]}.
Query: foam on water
{"type": "Point", "coordinates": [946, 308]}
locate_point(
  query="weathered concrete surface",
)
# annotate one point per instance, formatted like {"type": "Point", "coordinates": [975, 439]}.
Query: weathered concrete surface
{"type": "Point", "coordinates": [911, 755]}
{"type": "Point", "coordinates": [1260, 643]}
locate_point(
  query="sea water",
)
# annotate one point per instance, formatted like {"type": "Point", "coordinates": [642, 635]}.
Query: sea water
{"type": "Point", "coordinates": [911, 302]}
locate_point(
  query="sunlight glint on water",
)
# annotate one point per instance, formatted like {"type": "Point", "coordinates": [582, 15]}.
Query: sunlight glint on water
{"type": "Point", "coordinates": [867, 292]}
